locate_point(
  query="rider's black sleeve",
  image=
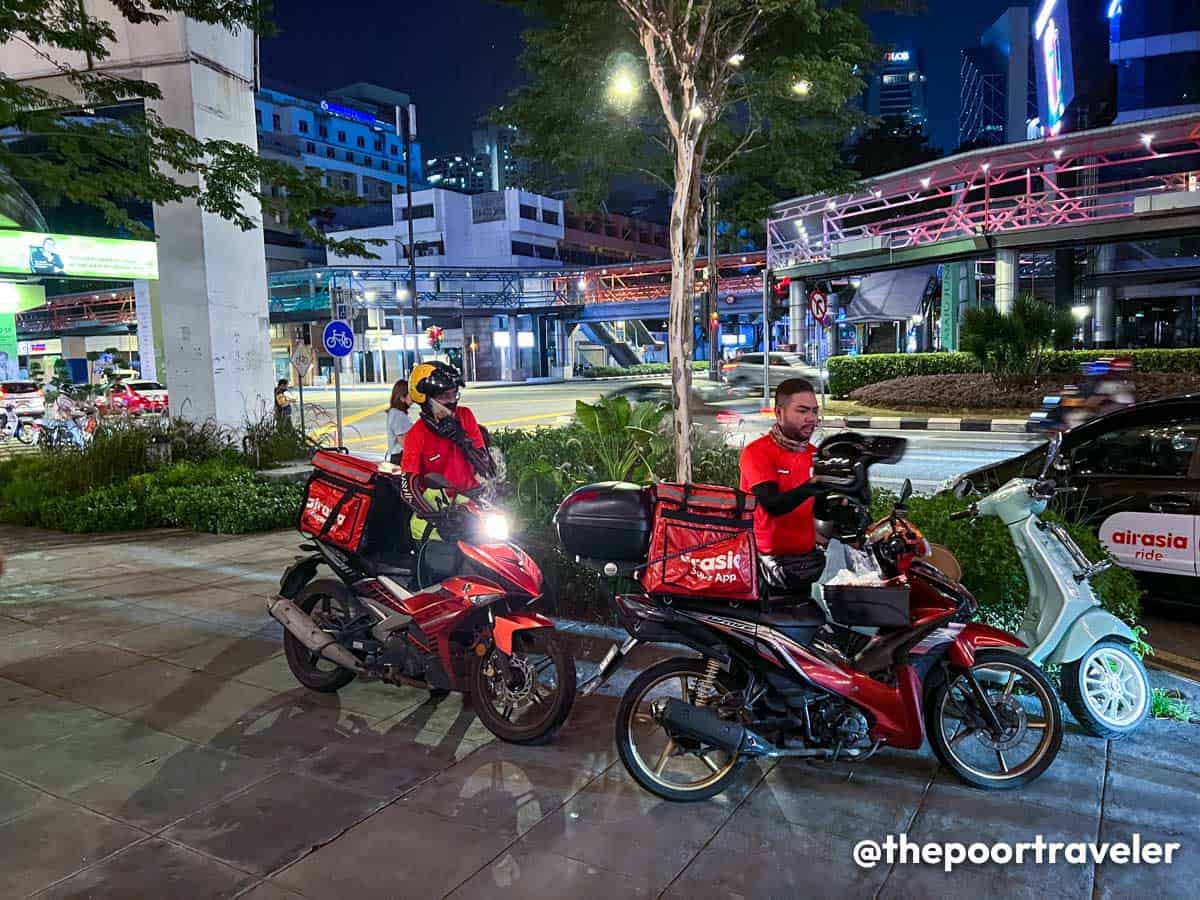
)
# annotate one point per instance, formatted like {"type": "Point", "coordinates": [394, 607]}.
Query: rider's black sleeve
{"type": "Point", "coordinates": [413, 493]}
{"type": "Point", "coordinates": [780, 503]}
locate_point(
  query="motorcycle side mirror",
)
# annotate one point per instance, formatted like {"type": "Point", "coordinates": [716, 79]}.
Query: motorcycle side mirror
{"type": "Point", "coordinates": [963, 488]}
{"type": "Point", "coordinates": [1051, 454]}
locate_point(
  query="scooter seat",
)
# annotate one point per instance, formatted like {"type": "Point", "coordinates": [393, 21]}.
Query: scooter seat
{"type": "Point", "coordinates": [799, 623]}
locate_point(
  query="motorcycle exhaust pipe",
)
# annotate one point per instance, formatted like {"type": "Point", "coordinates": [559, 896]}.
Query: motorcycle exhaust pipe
{"type": "Point", "coordinates": [697, 723]}
{"type": "Point", "coordinates": [307, 632]}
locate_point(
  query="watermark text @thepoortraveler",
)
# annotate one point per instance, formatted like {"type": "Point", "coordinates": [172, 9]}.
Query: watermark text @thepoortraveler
{"type": "Point", "coordinates": [897, 849]}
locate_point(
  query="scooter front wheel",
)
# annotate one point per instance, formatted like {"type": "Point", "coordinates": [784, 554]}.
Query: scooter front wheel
{"type": "Point", "coordinates": [1107, 689]}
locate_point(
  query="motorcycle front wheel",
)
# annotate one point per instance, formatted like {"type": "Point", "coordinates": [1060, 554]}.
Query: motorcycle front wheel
{"type": "Point", "coordinates": [529, 699]}
{"type": "Point", "coordinates": [680, 771]}
{"type": "Point", "coordinates": [1107, 690]}
{"type": "Point", "coordinates": [1026, 707]}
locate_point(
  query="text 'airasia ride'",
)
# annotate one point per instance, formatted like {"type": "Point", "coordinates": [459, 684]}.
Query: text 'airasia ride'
{"type": "Point", "coordinates": [888, 664]}
{"type": "Point", "coordinates": [450, 614]}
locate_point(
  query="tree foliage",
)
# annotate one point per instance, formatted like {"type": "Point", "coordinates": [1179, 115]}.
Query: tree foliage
{"type": "Point", "coordinates": [59, 147]}
{"type": "Point", "coordinates": [889, 146]}
{"type": "Point", "coordinates": [751, 91]}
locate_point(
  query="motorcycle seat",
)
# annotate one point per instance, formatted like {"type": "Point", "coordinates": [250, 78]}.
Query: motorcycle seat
{"type": "Point", "coordinates": [393, 568]}
{"type": "Point", "coordinates": [799, 623]}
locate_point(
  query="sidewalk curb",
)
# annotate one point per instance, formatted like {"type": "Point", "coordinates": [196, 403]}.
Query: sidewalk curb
{"type": "Point", "coordinates": [935, 423]}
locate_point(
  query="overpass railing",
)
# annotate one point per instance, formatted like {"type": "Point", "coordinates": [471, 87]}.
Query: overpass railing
{"type": "Point", "coordinates": [1089, 177]}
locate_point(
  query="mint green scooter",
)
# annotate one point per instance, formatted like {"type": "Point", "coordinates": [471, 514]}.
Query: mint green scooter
{"type": "Point", "coordinates": [1103, 680]}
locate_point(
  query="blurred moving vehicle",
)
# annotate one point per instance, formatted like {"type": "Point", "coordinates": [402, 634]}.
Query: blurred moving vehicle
{"type": "Point", "coordinates": [1104, 387]}
{"type": "Point", "coordinates": [133, 397]}
{"type": "Point", "coordinates": [705, 397]}
{"type": "Point", "coordinates": [747, 369]}
{"type": "Point", "coordinates": [26, 398]}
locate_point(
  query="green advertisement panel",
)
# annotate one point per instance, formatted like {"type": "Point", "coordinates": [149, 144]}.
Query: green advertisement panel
{"type": "Point", "coordinates": [8, 346]}
{"type": "Point", "coordinates": [66, 255]}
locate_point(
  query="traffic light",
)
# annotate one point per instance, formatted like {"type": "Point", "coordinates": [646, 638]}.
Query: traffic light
{"type": "Point", "coordinates": [781, 287]}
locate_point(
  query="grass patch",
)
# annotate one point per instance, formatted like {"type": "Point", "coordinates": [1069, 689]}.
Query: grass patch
{"type": "Point", "coordinates": [1165, 704]}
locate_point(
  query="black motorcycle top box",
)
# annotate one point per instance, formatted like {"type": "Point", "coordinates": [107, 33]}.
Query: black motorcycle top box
{"type": "Point", "coordinates": [606, 522]}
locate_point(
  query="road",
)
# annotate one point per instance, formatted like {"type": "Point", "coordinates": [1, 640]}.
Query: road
{"type": "Point", "coordinates": [932, 456]}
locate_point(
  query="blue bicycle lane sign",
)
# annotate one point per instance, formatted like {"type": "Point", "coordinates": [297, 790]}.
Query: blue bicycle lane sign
{"type": "Point", "coordinates": [338, 338]}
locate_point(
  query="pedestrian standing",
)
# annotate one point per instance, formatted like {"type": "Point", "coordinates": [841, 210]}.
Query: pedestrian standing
{"type": "Point", "coordinates": [283, 403]}
{"type": "Point", "coordinates": [398, 421]}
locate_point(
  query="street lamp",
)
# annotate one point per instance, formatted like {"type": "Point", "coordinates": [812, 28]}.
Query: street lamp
{"type": "Point", "coordinates": [737, 59]}
{"type": "Point", "coordinates": [623, 86]}
{"type": "Point", "coordinates": [1081, 311]}
{"type": "Point", "coordinates": [801, 87]}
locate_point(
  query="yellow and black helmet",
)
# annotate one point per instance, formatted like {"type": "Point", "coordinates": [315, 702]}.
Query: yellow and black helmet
{"type": "Point", "coordinates": [428, 379]}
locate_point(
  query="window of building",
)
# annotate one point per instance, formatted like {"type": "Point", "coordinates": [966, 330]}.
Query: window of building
{"type": "Point", "coordinates": [346, 182]}
{"type": "Point", "coordinates": [303, 127]}
{"type": "Point", "coordinates": [378, 145]}
{"type": "Point", "coordinates": [381, 190]}
{"type": "Point", "coordinates": [310, 147]}
{"type": "Point", "coordinates": [359, 141]}
{"type": "Point", "coordinates": [329, 152]}
{"type": "Point", "coordinates": [275, 121]}
{"type": "Point", "coordinates": [349, 156]}
{"type": "Point", "coordinates": [544, 252]}
{"type": "Point", "coordinates": [1164, 449]}
{"type": "Point", "coordinates": [522, 248]}
{"type": "Point", "coordinates": [420, 211]}
{"type": "Point", "coordinates": [367, 161]}
{"type": "Point", "coordinates": [550, 216]}
{"type": "Point", "coordinates": [385, 165]}
{"type": "Point", "coordinates": [342, 136]}
{"type": "Point", "coordinates": [392, 150]}
{"type": "Point", "coordinates": [322, 131]}
{"type": "Point", "coordinates": [258, 117]}
{"type": "Point", "coordinates": [527, 212]}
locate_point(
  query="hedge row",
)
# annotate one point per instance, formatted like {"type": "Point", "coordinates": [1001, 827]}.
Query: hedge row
{"type": "Point", "coordinates": [846, 373]}
{"type": "Point", "coordinates": [640, 369]}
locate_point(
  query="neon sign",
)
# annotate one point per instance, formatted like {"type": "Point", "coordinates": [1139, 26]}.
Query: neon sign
{"type": "Point", "coordinates": [897, 56]}
{"type": "Point", "coordinates": [1051, 32]}
{"type": "Point", "coordinates": [345, 112]}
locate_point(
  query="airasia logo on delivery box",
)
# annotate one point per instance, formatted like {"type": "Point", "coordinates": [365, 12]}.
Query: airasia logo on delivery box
{"type": "Point", "coordinates": [320, 512]}
{"type": "Point", "coordinates": [720, 569]}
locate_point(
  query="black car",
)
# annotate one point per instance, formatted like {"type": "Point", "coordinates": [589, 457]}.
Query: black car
{"type": "Point", "coordinates": [1136, 476]}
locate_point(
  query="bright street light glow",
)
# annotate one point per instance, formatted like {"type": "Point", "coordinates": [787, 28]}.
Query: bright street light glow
{"type": "Point", "coordinates": [1080, 312]}
{"type": "Point", "coordinates": [623, 86]}
{"type": "Point", "coordinates": [1147, 139]}
{"type": "Point", "coordinates": [401, 293]}
{"type": "Point", "coordinates": [583, 284]}
{"type": "Point", "coordinates": [1058, 153]}
{"type": "Point", "coordinates": [696, 112]}
{"type": "Point", "coordinates": [802, 87]}
{"type": "Point", "coordinates": [737, 59]}
{"type": "Point", "coordinates": [924, 182]}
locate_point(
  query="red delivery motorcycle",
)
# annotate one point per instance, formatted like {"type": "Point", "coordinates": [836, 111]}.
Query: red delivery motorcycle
{"type": "Point", "coordinates": [839, 677]}
{"type": "Point", "coordinates": [450, 614]}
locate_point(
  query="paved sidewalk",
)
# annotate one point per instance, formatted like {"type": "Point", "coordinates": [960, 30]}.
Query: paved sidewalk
{"type": "Point", "coordinates": [155, 745]}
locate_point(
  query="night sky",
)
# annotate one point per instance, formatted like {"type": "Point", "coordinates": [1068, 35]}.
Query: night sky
{"type": "Point", "coordinates": [458, 58]}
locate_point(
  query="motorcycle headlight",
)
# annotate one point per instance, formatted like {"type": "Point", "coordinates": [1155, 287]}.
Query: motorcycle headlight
{"type": "Point", "coordinates": [495, 527]}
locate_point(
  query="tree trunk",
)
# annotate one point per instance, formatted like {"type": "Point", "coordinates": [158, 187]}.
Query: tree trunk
{"type": "Point", "coordinates": [685, 239]}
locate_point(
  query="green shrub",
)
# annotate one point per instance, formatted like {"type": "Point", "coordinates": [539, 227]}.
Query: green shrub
{"type": "Point", "coordinates": [215, 496]}
{"type": "Point", "coordinates": [1012, 346]}
{"type": "Point", "coordinates": [698, 365]}
{"type": "Point", "coordinates": [846, 373]}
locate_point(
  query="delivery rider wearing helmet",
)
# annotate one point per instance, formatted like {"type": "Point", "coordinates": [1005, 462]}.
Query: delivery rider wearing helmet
{"type": "Point", "coordinates": [445, 454]}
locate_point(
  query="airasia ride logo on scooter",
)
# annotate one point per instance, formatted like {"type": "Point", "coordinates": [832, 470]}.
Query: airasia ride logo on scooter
{"type": "Point", "coordinates": [1151, 542]}
{"type": "Point", "coordinates": [723, 568]}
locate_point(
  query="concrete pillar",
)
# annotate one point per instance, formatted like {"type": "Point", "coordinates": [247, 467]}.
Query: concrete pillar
{"type": "Point", "coordinates": [513, 369]}
{"type": "Point", "coordinates": [1006, 280]}
{"type": "Point", "coordinates": [797, 310]}
{"type": "Point", "coordinates": [213, 276]}
{"type": "Point", "coordinates": [1104, 318]}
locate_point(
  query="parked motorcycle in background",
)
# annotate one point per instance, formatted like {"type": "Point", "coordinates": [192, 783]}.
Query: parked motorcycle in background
{"type": "Point", "coordinates": [450, 614]}
{"type": "Point", "coordinates": [893, 663]}
{"type": "Point", "coordinates": [13, 427]}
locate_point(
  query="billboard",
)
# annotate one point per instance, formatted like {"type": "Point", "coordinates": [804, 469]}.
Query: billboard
{"type": "Point", "coordinates": [1052, 59]}
{"type": "Point", "coordinates": [69, 255]}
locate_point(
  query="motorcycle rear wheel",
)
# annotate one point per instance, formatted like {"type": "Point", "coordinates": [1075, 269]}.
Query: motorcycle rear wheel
{"type": "Point", "coordinates": [1107, 690]}
{"type": "Point", "coordinates": [1013, 684]}
{"type": "Point", "coordinates": [695, 773]}
{"type": "Point", "coordinates": [311, 669]}
{"type": "Point", "coordinates": [534, 709]}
